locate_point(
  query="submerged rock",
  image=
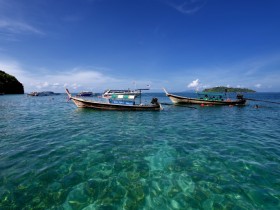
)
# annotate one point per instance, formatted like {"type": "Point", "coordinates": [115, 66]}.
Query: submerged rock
{"type": "Point", "coordinates": [9, 84]}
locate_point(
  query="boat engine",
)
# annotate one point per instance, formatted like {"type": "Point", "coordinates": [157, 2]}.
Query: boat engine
{"type": "Point", "coordinates": [154, 101]}
{"type": "Point", "coordinates": [239, 96]}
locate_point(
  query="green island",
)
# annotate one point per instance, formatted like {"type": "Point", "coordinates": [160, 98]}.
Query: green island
{"type": "Point", "coordinates": [9, 84]}
{"type": "Point", "coordinates": [228, 89]}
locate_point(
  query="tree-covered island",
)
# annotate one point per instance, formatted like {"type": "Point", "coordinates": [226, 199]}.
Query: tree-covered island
{"type": "Point", "coordinates": [9, 84]}
{"type": "Point", "coordinates": [228, 89]}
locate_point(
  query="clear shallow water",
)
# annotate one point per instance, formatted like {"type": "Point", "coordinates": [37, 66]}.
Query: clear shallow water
{"type": "Point", "coordinates": [55, 156]}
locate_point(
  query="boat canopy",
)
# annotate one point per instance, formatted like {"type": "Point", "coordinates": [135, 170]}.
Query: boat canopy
{"type": "Point", "coordinates": [210, 96]}
{"type": "Point", "coordinates": [124, 97]}
{"type": "Point", "coordinates": [109, 91]}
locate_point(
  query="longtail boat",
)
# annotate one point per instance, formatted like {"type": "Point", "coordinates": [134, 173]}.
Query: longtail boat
{"type": "Point", "coordinates": [119, 102]}
{"type": "Point", "coordinates": [85, 94]}
{"type": "Point", "coordinates": [206, 99]}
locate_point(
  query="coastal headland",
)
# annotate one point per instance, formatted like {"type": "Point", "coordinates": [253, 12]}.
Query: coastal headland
{"type": "Point", "coordinates": [9, 84]}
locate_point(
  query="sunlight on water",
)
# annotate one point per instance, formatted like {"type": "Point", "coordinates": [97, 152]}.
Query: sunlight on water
{"type": "Point", "coordinates": [55, 156]}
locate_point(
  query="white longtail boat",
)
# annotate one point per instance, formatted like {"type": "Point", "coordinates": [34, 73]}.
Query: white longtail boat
{"type": "Point", "coordinates": [205, 99]}
{"type": "Point", "coordinates": [120, 103]}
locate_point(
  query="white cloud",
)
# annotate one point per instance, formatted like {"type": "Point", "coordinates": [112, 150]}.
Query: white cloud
{"type": "Point", "coordinates": [14, 68]}
{"type": "Point", "coordinates": [40, 85]}
{"type": "Point", "coordinates": [76, 78]}
{"type": "Point", "coordinates": [187, 6]}
{"type": "Point", "coordinates": [246, 73]}
{"type": "Point", "coordinates": [18, 27]}
{"type": "Point", "coordinates": [14, 16]}
{"type": "Point", "coordinates": [258, 85]}
{"type": "Point", "coordinates": [56, 84]}
{"type": "Point", "coordinates": [99, 79]}
{"type": "Point", "coordinates": [194, 84]}
{"type": "Point", "coordinates": [45, 84]}
{"type": "Point", "coordinates": [75, 86]}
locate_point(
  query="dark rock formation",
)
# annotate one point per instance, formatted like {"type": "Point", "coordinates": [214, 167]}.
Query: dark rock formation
{"type": "Point", "coordinates": [9, 84]}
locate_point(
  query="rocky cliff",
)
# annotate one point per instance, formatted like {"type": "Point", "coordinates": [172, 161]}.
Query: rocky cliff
{"type": "Point", "coordinates": [9, 84]}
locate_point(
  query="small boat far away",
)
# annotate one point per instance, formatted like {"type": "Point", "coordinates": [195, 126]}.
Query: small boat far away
{"type": "Point", "coordinates": [117, 102]}
{"type": "Point", "coordinates": [206, 99]}
{"type": "Point", "coordinates": [44, 93]}
{"type": "Point", "coordinates": [85, 94]}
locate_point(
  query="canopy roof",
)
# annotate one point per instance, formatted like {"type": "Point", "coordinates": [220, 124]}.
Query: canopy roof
{"type": "Point", "coordinates": [210, 94]}
{"type": "Point", "coordinates": [124, 97]}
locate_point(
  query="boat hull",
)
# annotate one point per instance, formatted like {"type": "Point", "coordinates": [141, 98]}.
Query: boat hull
{"type": "Point", "coordinates": [185, 100]}
{"type": "Point", "coordinates": [80, 103]}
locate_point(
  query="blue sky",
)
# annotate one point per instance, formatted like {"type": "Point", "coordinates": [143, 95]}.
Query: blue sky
{"type": "Point", "coordinates": [177, 44]}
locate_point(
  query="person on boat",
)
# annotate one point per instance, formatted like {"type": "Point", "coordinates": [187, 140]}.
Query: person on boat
{"type": "Point", "coordinates": [155, 101]}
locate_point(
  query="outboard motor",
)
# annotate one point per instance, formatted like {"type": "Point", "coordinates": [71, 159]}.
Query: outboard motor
{"type": "Point", "coordinates": [239, 97]}
{"type": "Point", "coordinates": [154, 101]}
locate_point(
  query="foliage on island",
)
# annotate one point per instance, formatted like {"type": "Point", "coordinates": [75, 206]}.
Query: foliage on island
{"type": "Point", "coordinates": [9, 84]}
{"type": "Point", "coordinates": [228, 89]}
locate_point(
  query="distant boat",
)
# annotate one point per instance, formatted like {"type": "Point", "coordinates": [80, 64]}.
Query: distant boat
{"type": "Point", "coordinates": [206, 99]}
{"type": "Point", "coordinates": [109, 93]}
{"type": "Point", "coordinates": [44, 93]}
{"type": "Point", "coordinates": [32, 94]}
{"type": "Point", "coordinates": [120, 103]}
{"type": "Point", "coordinates": [85, 94]}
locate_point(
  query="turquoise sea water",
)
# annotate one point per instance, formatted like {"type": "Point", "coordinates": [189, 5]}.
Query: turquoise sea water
{"type": "Point", "coordinates": [55, 156]}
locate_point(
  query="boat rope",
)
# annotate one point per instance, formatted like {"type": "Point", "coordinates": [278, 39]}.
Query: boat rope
{"type": "Point", "coordinates": [272, 102]}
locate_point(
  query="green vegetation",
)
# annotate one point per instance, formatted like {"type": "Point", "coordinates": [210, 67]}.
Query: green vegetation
{"type": "Point", "coordinates": [9, 84]}
{"type": "Point", "coordinates": [228, 89]}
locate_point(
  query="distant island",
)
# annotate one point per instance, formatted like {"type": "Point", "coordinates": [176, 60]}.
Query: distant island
{"type": "Point", "coordinates": [222, 89]}
{"type": "Point", "coordinates": [9, 84]}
